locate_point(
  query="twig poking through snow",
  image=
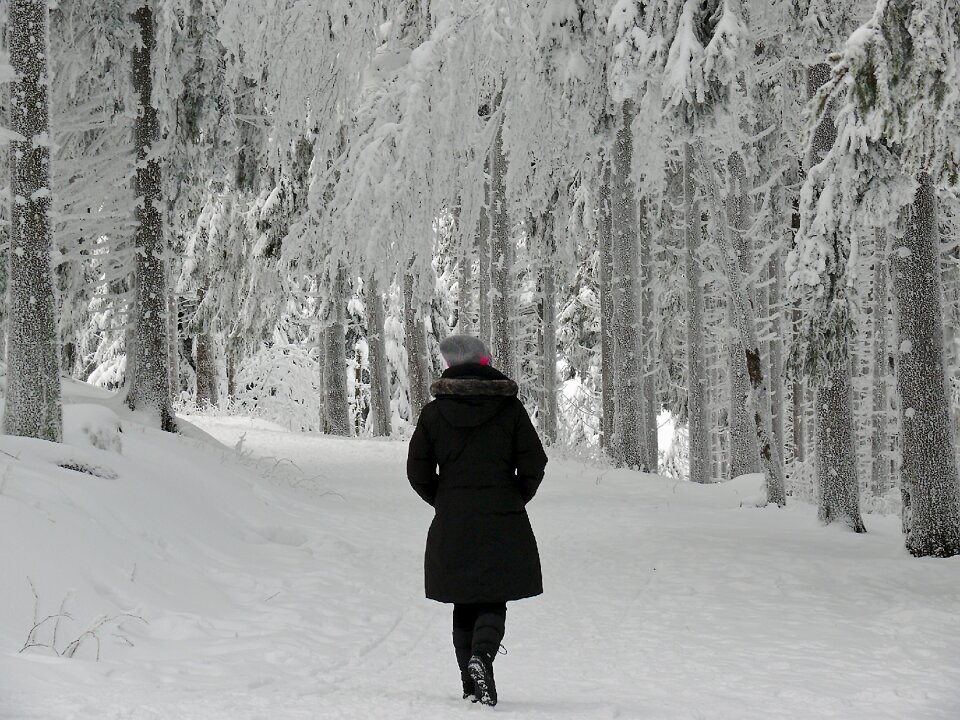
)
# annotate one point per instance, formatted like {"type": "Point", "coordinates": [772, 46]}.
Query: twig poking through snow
{"type": "Point", "coordinates": [71, 648]}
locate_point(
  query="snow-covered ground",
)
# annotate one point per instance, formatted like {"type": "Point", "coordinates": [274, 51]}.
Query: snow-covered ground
{"type": "Point", "coordinates": [292, 588]}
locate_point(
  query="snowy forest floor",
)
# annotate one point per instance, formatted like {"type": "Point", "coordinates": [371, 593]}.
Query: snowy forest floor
{"type": "Point", "coordinates": [270, 591]}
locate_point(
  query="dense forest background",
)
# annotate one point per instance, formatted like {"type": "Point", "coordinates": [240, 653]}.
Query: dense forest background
{"type": "Point", "coordinates": [738, 217]}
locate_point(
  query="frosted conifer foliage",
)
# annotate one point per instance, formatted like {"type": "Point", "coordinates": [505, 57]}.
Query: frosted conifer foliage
{"type": "Point", "coordinates": [33, 380]}
{"type": "Point", "coordinates": [898, 126]}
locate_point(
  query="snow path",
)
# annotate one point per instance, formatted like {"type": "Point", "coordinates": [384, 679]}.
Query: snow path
{"type": "Point", "coordinates": [663, 600]}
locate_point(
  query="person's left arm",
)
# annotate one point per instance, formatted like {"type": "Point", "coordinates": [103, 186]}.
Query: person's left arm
{"type": "Point", "coordinates": [530, 457]}
{"type": "Point", "coordinates": [422, 462]}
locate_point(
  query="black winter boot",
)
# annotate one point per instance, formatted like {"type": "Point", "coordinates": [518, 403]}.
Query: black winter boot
{"type": "Point", "coordinates": [462, 645]}
{"type": "Point", "coordinates": [481, 670]}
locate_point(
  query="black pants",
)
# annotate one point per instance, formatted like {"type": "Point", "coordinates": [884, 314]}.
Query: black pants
{"type": "Point", "coordinates": [477, 627]}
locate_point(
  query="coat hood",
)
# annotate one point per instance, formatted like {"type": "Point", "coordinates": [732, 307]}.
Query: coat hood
{"type": "Point", "coordinates": [469, 395]}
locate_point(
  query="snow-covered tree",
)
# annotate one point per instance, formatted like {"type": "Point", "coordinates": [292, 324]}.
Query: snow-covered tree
{"type": "Point", "coordinates": [880, 434]}
{"type": "Point", "coordinates": [897, 118]}
{"type": "Point", "coordinates": [628, 372]}
{"type": "Point", "coordinates": [149, 379]}
{"type": "Point", "coordinates": [376, 339]}
{"type": "Point", "coordinates": [696, 360]}
{"type": "Point", "coordinates": [33, 368]}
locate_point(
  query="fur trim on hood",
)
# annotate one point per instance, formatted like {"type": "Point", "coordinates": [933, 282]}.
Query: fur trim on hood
{"type": "Point", "coordinates": [473, 387]}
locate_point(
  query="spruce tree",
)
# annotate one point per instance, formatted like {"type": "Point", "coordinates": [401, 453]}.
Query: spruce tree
{"type": "Point", "coordinates": [149, 386]}
{"type": "Point", "coordinates": [33, 404]}
{"type": "Point", "coordinates": [898, 120]}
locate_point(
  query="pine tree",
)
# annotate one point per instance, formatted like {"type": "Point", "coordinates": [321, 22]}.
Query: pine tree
{"type": "Point", "coordinates": [33, 369]}
{"type": "Point", "coordinates": [605, 250]}
{"type": "Point", "coordinates": [838, 485]}
{"type": "Point", "coordinates": [336, 403]}
{"type": "Point", "coordinates": [696, 360]}
{"type": "Point", "coordinates": [930, 485]}
{"type": "Point", "coordinates": [898, 122]}
{"type": "Point", "coordinates": [628, 368]}
{"type": "Point", "coordinates": [415, 342]}
{"type": "Point", "coordinates": [648, 311]}
{"type": "Point", "coordinates": [149, 387]}
{"type": "Point", "coordinates": [501, 267]}
{"type": "Point", "coordinates": [379, 379]}
{"type": "Point", "coordinates": [745, 325]}
{"type": "Point", "coordinates": [744, 456]}
{"type": "Point", "coordinates": [879, 436]}
{"type": "Point", "coordinates": [206, 369]}
{"type": "Point", "coordinates": [548, 322]}
{"type": "Point", "coordinates": [483, 263]}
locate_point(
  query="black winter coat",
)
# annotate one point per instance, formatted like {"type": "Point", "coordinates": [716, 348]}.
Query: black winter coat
{"type": "Point", "coordinates": [480, 547]}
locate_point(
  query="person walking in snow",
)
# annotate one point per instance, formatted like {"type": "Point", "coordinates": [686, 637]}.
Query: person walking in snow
{"type": "Point", "coordinates": [481, 551]}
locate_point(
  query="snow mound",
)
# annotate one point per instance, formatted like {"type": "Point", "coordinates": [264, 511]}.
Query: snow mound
{"type": "Point", "coordinates": [92, 425]}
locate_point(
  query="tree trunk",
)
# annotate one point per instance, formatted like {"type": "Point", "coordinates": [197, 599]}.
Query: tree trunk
{"type": "Point", "coordinates": [606, 309]}
{"type": "Point", "coordinates": [744, 457]}
{"type": "Point", "coordinates": [501, 266]}
{"type": "Point", "coordinates": [483, 258]}
{"type": "Point", "coordinates": [231, 352]}
{"type": "Point", "coordinates": [548, 351]}
{"type": "Point", "coordinates": [173, 337]}
{"type": "Point", "coordinates": [837, 488]}
{"type": "Point", "coordinates": [322, 372]}
{"type": "Point", "coordinates": [150, 383]}
{"type": "Point", "coordinates": [647, 312]}
{"type": "Point", "coordinates": [33, 357]}
{"type": "Point", "coordinates": [837, 481]}
{"type": "Point", "coordinates": [206, 394]}
{"type": "Point", "coordinates": [337, 405]}
{"type": "Point", "coordinates": [929, 481]}
{"type": "Point", "coordinates": [880, 435]}
{"type": "Point", "coordinates": [796, 407]}
{"type": "Point", "coordinates": [416, 345]}
{"type": "Point", "coordinates": [745, 325]}
{"type": "Point", "coordinates": [376, 342]}
{"type": "Point", "coordinates": [776, 351]}
{"type": "Point", "coordinates": [464, 285]}
{"type": "Point", "coordinates": [696, 361]}
{"type": "Point", "coordinates": [628, 357]}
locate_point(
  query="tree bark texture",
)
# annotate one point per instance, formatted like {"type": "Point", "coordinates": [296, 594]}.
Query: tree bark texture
{"type": "Point", "coordinates": [500, 260]}
{"type": "Point", "coordinates": [33, 406]}
{"type": "Point", "coordinates": [745, 325]}
{"type": "Point", "coordinates": [206, 394]}
{"type": "Point", "coordinates": [651, 407]}
{"type": "Point", "coordinates": [744, 457]}
{"type": "Point", "coordinates": [696, 361]}
{"type": "Point", "coordinates": [929, 480]}
{"type": "Point", "coordinates": [416, 346]}
{"type": "Point", "coordinates": [628, 355]}
{"type": "Point", "coordinates": [605, 242]}
{"type": "Point", "coordinates": [150, 383]}
{"type": "Point", "coordinates": [483, 261]}
{"type": "Point", "coordinates": [173, 338]}
{"type": "Point", "coordinates": [377, 355]}
{"type": "Point", "coordinates": [776, 351]}
{"type": "Point", "coordinates": [337, 405]}
{"type": "Point", "coordinates": [797, 412]}
{"type": "Point", "coordinates": [837, 479]}
{"type": "Point", "coordinates": [231, 351]}
{"type": "Point", "coordinates": [880, 432]}
{"type": "Point", "coordinates": [464, 284]}
{"type": "Point", "coordinates": [548, 350]}
{"type": "Point", "coordinates": [838, 495]}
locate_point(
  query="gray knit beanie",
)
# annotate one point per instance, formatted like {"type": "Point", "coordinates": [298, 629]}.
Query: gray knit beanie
{"type": "Point", "coordinates": [463, 349]}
